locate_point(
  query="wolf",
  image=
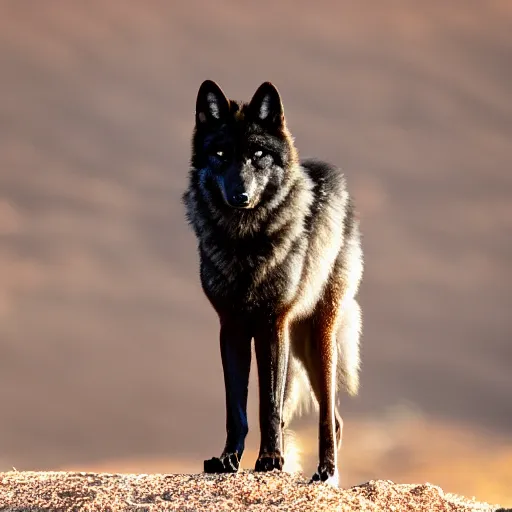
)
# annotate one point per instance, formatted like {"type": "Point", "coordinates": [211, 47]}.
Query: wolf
{"type": "Point", "coordinates": [281, 263]}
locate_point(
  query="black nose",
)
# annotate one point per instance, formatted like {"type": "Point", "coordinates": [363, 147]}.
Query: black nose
{"type": "Point", "coordinates": [239, 200]}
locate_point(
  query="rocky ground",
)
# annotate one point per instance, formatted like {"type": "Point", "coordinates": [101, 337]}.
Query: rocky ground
{"type": "Point", "coordinates": [38, 491]}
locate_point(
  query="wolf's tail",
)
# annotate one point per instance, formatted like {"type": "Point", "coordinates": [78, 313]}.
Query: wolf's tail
{"type": "Point", "coordinates": [349, 360]}
{"type": "Point", "coordinates": [292, 452]}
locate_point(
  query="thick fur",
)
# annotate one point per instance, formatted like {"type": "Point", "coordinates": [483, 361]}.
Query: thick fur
{"type": "Point", "coordinates": [281, 263]}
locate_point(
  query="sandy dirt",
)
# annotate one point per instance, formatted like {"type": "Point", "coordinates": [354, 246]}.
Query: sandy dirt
{"type": "Point", "coordinates": [245, 491]}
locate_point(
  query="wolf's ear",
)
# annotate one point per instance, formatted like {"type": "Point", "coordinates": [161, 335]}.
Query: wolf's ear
{"type": "Point", "coordinates": [211, 104]}
{"type": "Point", "coordinates": [266, 105]}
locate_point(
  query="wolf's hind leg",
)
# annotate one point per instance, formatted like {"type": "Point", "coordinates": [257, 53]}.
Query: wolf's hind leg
{"type": "Point", "coordinates": [330, 435]}
{"type": "Point", "coordinates": [321, 359]}
{"type": "Point", "coordinates": [339, 354]}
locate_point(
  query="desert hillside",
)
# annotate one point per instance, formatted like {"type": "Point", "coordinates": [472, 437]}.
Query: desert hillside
{"type": "Point", "coordinates": [247, 491]}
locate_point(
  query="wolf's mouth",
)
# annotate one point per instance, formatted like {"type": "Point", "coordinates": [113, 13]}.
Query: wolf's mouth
{"type": "Point", "coordinates": [237, 200]}
{"type": "Point", "coordinates": [246, 207]}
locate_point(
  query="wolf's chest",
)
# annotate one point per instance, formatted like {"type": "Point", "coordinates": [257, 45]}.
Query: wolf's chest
{"type": "Point", "coordinates": [251, 279]}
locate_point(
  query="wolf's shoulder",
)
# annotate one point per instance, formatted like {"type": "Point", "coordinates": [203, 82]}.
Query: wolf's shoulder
{"type": "Point", "coordinates": [324, 175]}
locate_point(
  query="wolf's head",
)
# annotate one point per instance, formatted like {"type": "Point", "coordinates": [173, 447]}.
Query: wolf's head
{"type": "Point", "coordinates": [243, 152]}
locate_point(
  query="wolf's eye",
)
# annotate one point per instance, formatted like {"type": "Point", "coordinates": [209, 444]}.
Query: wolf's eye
{"type": "Point", "coordinates": [258, 154]}
{"type": "Point", "coordinates": [220, 154]}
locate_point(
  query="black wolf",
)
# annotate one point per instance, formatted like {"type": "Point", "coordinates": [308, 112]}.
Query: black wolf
{"type": "Point", "coordinates": [281, 262]}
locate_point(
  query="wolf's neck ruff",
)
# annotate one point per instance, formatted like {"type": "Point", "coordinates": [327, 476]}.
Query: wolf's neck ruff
{"type": "Point", "coordinates": [252, 242]}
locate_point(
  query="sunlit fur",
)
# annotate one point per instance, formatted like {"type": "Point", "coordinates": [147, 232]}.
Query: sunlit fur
{"type": "Point", "coordinates": [293, 250]}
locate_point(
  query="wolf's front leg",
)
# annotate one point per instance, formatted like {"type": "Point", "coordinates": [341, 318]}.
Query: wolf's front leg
{"type": "Point", "coordinates": [235, 348]}
{"type": "Point", "coordinates": [272, 351]}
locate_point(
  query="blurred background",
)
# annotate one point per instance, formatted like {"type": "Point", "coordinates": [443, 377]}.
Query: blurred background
{"type": "Point", "coordinates": [109, 356]}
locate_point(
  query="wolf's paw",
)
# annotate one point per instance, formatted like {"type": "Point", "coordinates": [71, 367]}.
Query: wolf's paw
{"type": "Point", "coordinates": [327, 475]}
{"type": "Point", "coordinates": [226, 463]}
{"type": "Point", "coordinates": [269, 461]}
